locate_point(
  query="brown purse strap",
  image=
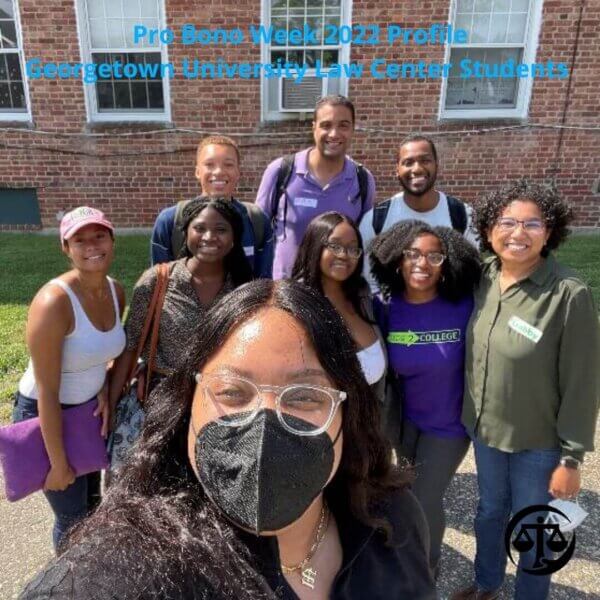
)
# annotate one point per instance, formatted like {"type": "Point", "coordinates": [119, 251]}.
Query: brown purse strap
{"type": "Point", "coordinates": [162, 284]}
{"type": "Point", "coordinates": [147, 323]}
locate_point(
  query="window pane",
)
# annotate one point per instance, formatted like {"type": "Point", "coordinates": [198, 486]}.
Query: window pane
{"type": "Point", "coordinates": [464, 6]}
{"type": "Point", "coordinates": [310, 57]}
{"type": "Point", "coordinates": [516, 28]}
{"type": "Point", "coordinates": [139, 95]}
{"type": "Point", "coordinates": [17, 93]}
{"type": "Point", "coordinates": [113, 8]}
{"type": "Point", "coordinates": [150, 9]}
{"type": "Point", "coordinates": [3, 68]}
{"type": "Point", "coordinates": [4, 96]}
{"type": "Point", "coordinates": [314, 4]}
{"type": "Point", "coordinates": [115, 33]}
{"type": "Point", "coordinates": [335, 3]}
{"type": "Point", "coordinates": [131, 9]}
{"type": "Point", "coordinates": [464, 22]}
{"type": "Point", "coordinates": [6, 9]}
{"type": "Point", "coordinates": [95, 8]}
{"type": "Point", "coordinates": [278, 23]}
{"type": "Point", "coordinates": [499, 26]}
{"type": "Point", "coordinates": [14, 67]}
{"type": "Point", "coordinates": [501, 6]}
{"type": "Point", "coordinates": [486, 92]}
{"type": "Point", "coordinates": [8, 34]}
{"type": "Point", "coordinates": [483, 6]}
{"type": "Point", "coordinates": [481, 25]}
{"type": "Point", "coordinates": [316, 24]}
{"type": "Point", "coordinates": [98, 33]}
{"type": "Point", "coordinates": [104, 94]}
{"type": "Point", "coordinates": [122, 96]}
{"type": "Point", "coordinates": [520, 6]}
{"type": "Point", "coordinates": [279, 55]}
{"type": "Point", "coordinates": [155, 98]}
{"type": "Point", "coordinates": [329, 57]}
{"type": "Point", "coordinates": [296, 4]}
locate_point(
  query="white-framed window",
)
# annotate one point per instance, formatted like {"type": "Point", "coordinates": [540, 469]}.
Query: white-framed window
{"type": "Point", "coordinates": [14, 101]}
{"type": "Point", "coordinates": [106, 36]}
{"type": "Point", "coordinates": [281, 98]}
{"type": "Point", "coordinates": [499, 31]}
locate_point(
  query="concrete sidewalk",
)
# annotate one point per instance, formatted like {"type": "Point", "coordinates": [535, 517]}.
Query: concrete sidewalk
{"type": "Point", "coordinates": [26, 526]}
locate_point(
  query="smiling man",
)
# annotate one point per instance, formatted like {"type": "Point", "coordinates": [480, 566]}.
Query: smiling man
{"type": "Point", "coordinates": [218, 173]}
{"type": "Point", "coordinates": [297, 188]}
{"type": "Point", "coordinates": [417, 172]}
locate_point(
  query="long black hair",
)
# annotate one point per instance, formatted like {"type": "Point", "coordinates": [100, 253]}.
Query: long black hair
{"type": "Point", "coordinates": [157, 497]}
{"type": "Point", "coordinates": [460, 269]}
{"type": "Point", "coordinates": [307, 267]}
{"type": "Point", "coordinates": [235, 263]}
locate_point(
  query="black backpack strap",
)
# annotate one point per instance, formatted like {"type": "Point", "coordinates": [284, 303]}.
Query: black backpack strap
{"type": "Point", "coordinates": [283, 178]}
{"type": "Point", "coordinates": [258, 224]}
{"type": "Point", "coordinates": [380, 211]}
{"type": "Point", "coordinates": [363, 185]}
{"type": "Point", "coordinates": [177, 232]}
{"type": "Point", "coordinates": [458, 214]}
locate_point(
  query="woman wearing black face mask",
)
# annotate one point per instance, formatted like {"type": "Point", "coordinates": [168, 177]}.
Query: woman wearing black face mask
{"type": "Point", "coordinates": [267, 478]}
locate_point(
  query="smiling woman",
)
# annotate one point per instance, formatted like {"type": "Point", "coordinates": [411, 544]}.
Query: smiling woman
{"type": "Point", "coordinates": [73, 331]}
{"type": "Point", "coordinates": [213, 263]}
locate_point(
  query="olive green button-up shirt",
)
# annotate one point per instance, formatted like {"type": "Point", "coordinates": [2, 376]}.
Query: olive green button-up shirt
{"type": "Point", "coordinates": [532, 362]}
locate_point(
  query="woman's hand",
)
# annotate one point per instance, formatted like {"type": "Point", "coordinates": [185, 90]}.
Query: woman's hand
{"type": "Point", "coordinates": [59, 478]}
{"type": "Point", "coordinates": [565, 483]}
{"type": "Point", "coordinates": [103, 410]}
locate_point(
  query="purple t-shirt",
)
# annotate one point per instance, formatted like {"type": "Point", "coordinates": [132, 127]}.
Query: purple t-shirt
{"type": "Point", "coordinates": [306, 199]}
{"type": "Point", "coordinates": [426, 348]}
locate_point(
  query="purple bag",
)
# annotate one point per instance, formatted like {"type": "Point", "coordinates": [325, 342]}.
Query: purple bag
{"type": "Point", "coordinates": [24, 458]}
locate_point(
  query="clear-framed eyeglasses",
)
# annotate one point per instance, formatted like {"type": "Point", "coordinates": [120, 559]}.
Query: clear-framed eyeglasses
{"type": "Point", "coordinates": [302, 409]}
{"type": "Point", "coordinates": [339, 250]}
{"type": "Point", "coordinates": [435, 259]}
{"type": "Point", "coordinates": [529, 225]}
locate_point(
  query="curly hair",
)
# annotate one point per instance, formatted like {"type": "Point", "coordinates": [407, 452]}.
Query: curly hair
{"type": "Point", "coordinates": [307, 267]}
{"type": "Point", "coordinates": [157, 497]}
{"type": "Point", "coordinates": [235, 263]}
{"type": "Point", "coordinates": [460, 270]}
{"type": "Point", "coordinates": [555, 212]}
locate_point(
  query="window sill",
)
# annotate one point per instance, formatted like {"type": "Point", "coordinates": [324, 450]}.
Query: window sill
{"type": "Point", "coordinates": [141, 126]}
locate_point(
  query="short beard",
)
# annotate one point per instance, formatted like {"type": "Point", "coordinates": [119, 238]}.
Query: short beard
{"type": "Point", "coordinates": [420, 192]}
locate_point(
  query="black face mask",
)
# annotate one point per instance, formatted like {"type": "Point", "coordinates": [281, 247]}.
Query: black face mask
{"type": "Point", "coordinates": [260, 475]}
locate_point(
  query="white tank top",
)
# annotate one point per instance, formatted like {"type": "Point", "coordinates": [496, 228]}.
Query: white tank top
{"type": "Point", "coordinates": [86, 352]}
{"type": "Point", "coordinates": [372, 361]}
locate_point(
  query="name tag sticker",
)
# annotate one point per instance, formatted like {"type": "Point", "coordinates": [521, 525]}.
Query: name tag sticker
{"type": "Point", "coordinates": [308, 202]}
{"type": "Point", "coordinates": [249, 250]}
{"type": "Point", "coordinates": [525, 329]}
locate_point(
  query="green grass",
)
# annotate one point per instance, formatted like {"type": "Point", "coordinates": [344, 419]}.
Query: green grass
{"type": "Point", "coordinates": [28, 261]}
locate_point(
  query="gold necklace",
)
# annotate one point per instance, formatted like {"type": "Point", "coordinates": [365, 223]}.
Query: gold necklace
{"type": "Point", "coordinates": [308, 573]}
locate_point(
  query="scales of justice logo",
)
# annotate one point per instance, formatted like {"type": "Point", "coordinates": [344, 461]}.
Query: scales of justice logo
{"type": "Point", "coordinates": [553, 549]}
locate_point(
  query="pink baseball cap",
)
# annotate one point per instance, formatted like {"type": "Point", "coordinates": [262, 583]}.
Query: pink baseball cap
{"type": "Point", "coordinates": [79, 217]}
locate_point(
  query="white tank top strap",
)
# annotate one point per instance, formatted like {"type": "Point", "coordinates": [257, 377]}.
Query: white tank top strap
{"type": "Point", "coordinates": [77, 308]}
{"type": "Point", "coordinates": [113, 291]}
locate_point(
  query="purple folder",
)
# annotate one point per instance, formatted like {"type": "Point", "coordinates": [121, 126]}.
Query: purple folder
{"type": "Point", "coordinates": [24, 458]}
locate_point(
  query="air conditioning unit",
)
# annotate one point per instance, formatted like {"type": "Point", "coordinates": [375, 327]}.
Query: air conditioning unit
{"type": "Point", "coordinates": [301, 97]}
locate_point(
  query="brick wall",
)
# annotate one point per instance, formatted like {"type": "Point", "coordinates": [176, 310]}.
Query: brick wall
{"type": "Point", "coordinates": [133, 178]}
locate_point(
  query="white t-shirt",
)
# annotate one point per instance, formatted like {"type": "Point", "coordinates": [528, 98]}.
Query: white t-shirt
{"type": "Point", "coordinates": [400, 211]}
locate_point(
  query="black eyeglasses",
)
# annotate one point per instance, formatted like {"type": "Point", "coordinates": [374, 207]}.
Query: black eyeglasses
{"type": "Point", "coordinates": [339, 250]}
{"type": "Point", "coordinates": [435, 259]}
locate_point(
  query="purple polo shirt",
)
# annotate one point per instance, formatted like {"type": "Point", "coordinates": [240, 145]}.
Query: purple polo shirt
{"type": "Point", "coordinates": [306, 199]}
{"type": "Point", "coordinates": [426, 348]}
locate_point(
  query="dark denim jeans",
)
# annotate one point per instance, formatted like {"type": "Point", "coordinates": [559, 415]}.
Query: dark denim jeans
{"type": "Point", "coordinates": [509, 482]}
{"type": "Point", "coordinates": [79, 499]}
